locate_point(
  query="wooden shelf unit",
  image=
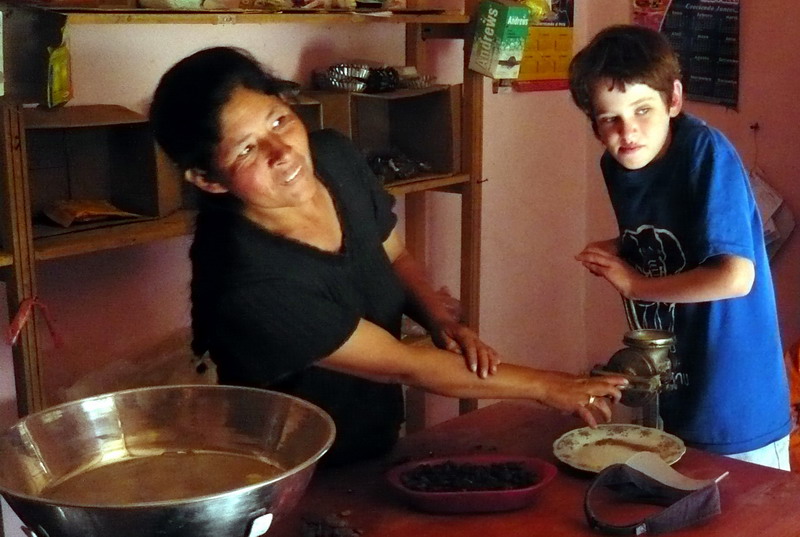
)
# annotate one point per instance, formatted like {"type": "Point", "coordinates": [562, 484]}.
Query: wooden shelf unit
{"type": "Point", "coordinates": [180, 224]}
{"type": "Point", "coordinates": [22, 252]}
{"type": "Point", "coordinates": [145, 16]}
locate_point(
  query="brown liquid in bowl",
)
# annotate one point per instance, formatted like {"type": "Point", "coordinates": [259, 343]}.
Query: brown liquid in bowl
{"type": "Point", "coordinates": [164, 477]}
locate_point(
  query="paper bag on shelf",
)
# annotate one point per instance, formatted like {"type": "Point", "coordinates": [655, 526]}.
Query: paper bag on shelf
{"type": "Point", "coordinates": [778, 220]}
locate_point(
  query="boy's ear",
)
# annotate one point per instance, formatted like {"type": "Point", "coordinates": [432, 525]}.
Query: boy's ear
{"type": "Point", "coordinates": [676, 102]}
{"type": "Point", "coordinates": [199, 178]}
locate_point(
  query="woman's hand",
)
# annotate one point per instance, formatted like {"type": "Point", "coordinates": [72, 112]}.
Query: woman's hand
{"type": "Point", "coordinates": [439, 312]}
{"type": "Point", "coordinates": [587, 397]}
{"type": "Point", "coordinates": [479, 357]}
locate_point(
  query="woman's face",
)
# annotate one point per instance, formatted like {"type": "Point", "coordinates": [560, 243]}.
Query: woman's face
{"type": "Point", "coordinates": [263, 155]}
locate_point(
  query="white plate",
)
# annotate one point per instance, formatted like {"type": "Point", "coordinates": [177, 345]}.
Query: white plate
{"type": "Point", "coordinates": [594, 449]}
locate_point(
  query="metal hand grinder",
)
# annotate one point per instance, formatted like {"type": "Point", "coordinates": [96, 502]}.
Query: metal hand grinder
{"type": "Point", "coordinates": [649, 364]}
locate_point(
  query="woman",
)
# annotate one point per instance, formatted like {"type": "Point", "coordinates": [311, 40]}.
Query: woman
{"type": "Point", "coordinates": [299, 277]}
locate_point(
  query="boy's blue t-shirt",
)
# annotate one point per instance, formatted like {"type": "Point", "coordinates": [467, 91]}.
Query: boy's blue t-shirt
{"type": "Point", "coordinates": [692, 204]}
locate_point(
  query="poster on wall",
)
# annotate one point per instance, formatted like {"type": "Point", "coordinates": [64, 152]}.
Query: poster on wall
{"type": "Point", "coordinates": [705, 34]}
{"type": "Point", "coordinates": [548, 49]}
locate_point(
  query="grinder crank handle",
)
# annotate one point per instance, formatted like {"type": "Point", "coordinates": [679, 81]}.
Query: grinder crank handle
{"type": "Point", "coordinates": [635, 382]}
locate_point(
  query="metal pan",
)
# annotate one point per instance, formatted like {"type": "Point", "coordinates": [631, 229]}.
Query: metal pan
{"type": "Point", "coordinates": [173, 461]}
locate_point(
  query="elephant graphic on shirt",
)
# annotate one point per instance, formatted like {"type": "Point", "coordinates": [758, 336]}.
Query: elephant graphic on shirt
{"type": "Point", "coordinates": [653, 252]}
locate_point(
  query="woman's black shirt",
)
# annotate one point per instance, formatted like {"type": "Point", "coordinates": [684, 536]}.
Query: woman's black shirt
{"type": "Point", "coordinates": [267, 308]}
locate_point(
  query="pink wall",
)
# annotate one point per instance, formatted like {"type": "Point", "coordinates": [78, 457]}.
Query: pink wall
{"type": "Point", "coordinates": [543, 199]}
{"type": "Point", "coordinates": [118, 303]}
{"type": "Point", "coordinates": [539, 207]}
{"type": "Point", "coordinates": [770, 78]}
{"type": "Point", "coordinates": [102, 320]}
{"type": "Point", "coordinates": [112, 306]}
{"type": "Point", "coordinates": [603, 318]}
{"type": "Point", "coordinates": [542, 202]}
{"type": "Point", "coordinates": [770, 81]}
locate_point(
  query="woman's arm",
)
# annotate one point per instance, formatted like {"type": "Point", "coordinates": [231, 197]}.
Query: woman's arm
{"type": "Point", "coordinates": [373, 353]}
{"type": "Point", "coordinates": [446, 330]}
{"type": "Point", "coordinates": [416, 282]}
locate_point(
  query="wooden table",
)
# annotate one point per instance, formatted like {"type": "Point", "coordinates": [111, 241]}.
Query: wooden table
{"type": "Point", "coordinates": [756, 501]}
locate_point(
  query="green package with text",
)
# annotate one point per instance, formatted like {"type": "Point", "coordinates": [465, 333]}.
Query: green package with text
{"type": "Point", "coordinates": [500, 32]}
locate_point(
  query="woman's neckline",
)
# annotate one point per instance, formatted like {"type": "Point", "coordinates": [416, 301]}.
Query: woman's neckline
{"type": "Point", "coordinates": [329, 202]}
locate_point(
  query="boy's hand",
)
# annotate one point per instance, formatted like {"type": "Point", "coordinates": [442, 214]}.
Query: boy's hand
{"type": "Point", "coordinates": [479, 357]}
{"type": "Point", "coordinates": [597, 258]}
{"type": "Point", "coordinates": [610, 246]}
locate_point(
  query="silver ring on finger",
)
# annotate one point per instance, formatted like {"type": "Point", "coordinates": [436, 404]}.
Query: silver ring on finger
{"type": "Point", "coordinates": [591, 400]}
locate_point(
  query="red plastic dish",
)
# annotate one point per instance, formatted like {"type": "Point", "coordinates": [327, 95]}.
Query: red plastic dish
{"type": "Point", "coordinates": [478, 501]}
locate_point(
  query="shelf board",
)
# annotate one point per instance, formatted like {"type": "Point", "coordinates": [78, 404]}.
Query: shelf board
{"type": "Point", "coordinates": [425, 182]}
{"type": "Point", "coordinates": [148, 16]}
{"type": "Point", "coordinates": [71, 117]}
{"type": "Point", "coordinates": [107, 238]}
{"type": "Point", "coordinates": [176, 225]}
{"type": "Point", "coordinates": [6, 259]}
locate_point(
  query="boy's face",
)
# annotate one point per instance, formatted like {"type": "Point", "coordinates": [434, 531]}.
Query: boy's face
{"type": "Point", "coordinates": [634, 124]}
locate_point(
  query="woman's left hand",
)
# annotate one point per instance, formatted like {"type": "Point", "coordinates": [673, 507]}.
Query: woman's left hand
{"type": "Point", "coordinates": [586, 397]}
{"type": "Point", "coordinates": [479, 357]}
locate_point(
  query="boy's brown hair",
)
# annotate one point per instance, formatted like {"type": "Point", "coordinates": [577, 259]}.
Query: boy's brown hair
{"type": "Point", "coordinates": [623, 54]}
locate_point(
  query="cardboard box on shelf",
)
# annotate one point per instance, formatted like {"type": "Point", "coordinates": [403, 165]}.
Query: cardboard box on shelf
{"type": "Point", "coordinates": [96, 152]}
{"type": "Point", "coordinates": [500, 35]}
{"type": "Point", "coordinates": [309, 111]}
{"type": "Point", "coordinates": [421, 123]}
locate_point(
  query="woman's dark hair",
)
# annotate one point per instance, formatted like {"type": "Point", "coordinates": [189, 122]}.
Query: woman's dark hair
{"type": "Point", "coordinates": [189, 98]}
{"type": "Point", "coordinates": [623, 54]}
{"type": "Point", "coordinates": [185, 115]}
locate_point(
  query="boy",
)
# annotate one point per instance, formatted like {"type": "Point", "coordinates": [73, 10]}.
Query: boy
{"type": "Point", "coordinates": [690, 256]}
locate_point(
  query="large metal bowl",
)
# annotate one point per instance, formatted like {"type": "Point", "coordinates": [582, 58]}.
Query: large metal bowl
{"type": "Point", "coordinates": [151, 462]}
